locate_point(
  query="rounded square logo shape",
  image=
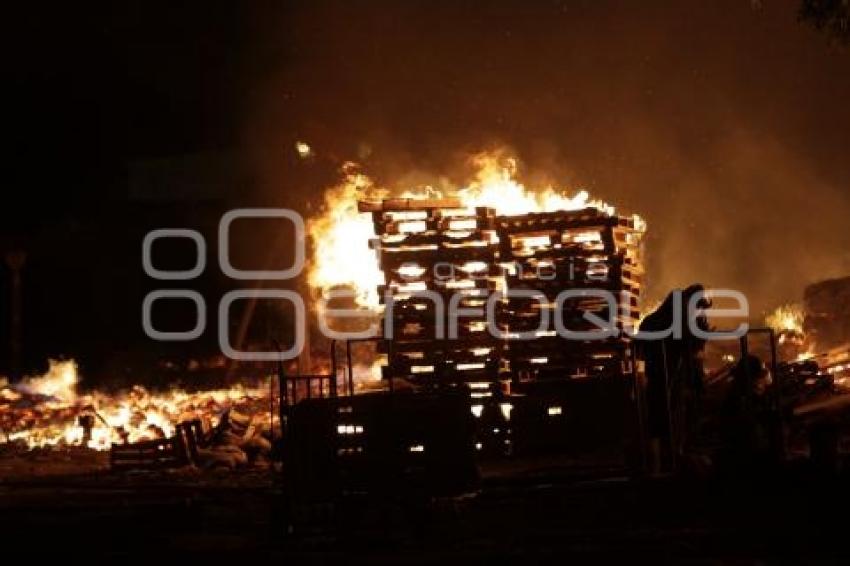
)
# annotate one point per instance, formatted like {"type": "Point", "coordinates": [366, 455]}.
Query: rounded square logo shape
{"type": "Point", "coordinates": [249, 274]}
{"type": "Point", "coordinates": [183, 275]}
{"type": "Point", "coordinates": [183, 336]}
{"type": "Point", "coordinates": [224, 319]}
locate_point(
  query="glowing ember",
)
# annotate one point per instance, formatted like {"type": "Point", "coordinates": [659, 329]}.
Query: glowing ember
{"type": "Point", "coordinates": [303, 149]}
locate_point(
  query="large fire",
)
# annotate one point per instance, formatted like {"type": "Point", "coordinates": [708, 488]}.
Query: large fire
{"type": "Point", "coordinates": [340, 234]}
{"type": "Point", "coordinates": [44, 411]}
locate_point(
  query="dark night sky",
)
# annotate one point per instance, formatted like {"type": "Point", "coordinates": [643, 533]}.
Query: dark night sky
{"type": "Point", "coordinates": [726, 124]}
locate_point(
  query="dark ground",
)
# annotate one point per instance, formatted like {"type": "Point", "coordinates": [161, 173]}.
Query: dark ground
{"type": "Point", "coordinates": [239, 516]}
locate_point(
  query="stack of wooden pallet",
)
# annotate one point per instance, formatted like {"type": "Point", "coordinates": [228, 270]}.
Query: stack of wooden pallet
{"type": "Point", "coordinates": [584, 251]}
{"type": "Point", "coordinates": [441, 247]}
{"type": "Point", "coordinates": [436, 246]}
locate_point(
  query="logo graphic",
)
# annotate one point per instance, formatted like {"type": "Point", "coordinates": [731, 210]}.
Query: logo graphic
{"type": "Point", "coordinates": [223, 320]}
{"type": "Point", "coordinates": [448, 312]}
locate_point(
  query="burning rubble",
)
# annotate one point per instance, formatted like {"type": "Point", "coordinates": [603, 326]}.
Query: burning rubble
{"type": "Point", "coordinates": [816, 332]}
{"type": "Point", "coordinates": [49, 411]}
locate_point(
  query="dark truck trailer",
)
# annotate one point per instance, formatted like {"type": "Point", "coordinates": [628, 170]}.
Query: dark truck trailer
{"type": "Point", "coordinates": [380, 444]}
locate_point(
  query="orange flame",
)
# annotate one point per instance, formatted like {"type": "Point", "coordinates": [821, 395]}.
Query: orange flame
{"type": "Point", "coordinates": [340, 234]}
{"type": "Point", "coordinates": [786, 318]}
{"type": "Point", "coordinates": [42, 411]}
{"type": "Point", "coordinates": [340, 237]}
{"type": "Point", "coordinates": [495, 185]}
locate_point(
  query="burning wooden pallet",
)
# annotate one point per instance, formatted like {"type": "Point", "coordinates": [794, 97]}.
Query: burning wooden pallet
{"type": "Point", "coordinates": [234, 442]}
{"type": "Point", "coordinates": [441, 247]}
{"type": "Point", "coordinates": [175, 452]}
{"type": "Point", "coordinates": [438, 246]}
{"type": "Point", "coordinates": [582, 251]}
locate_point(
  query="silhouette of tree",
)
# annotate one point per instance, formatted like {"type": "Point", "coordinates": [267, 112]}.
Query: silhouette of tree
{"type": "Point", "coordinates": [829, 16]}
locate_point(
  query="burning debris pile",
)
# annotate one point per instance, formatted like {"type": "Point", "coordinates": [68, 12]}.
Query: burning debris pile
{"type": "Point", "coordinates": [816, 333]}
{"type": "Point", "coordinates": [827, 327]}
{"type": "Point", "coordinates": [48, 411]}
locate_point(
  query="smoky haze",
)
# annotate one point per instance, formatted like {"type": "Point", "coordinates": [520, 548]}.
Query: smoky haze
{"type": "Point", "coordinates": [725, 124]}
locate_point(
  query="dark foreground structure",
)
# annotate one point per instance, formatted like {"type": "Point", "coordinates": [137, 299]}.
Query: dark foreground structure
{"type": "Point", "coordinates": [787, 519]}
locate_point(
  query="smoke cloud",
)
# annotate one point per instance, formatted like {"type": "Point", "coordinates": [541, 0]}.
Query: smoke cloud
{"type": "Point", "coordinates": [724, 124]}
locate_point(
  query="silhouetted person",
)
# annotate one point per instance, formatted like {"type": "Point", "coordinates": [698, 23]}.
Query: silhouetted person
{"type": "Point", "coordinates": [674, 371]}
